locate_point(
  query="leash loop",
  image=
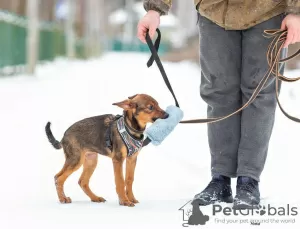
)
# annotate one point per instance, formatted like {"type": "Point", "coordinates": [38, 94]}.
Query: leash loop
{"type": "Point", "coordinates": [155, 57]}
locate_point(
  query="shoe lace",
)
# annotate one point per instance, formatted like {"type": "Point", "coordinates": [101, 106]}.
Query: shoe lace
{"type": "Point", "coordinates": [249, 187]}
{"type": "Point", "coordinates": [215, 185]}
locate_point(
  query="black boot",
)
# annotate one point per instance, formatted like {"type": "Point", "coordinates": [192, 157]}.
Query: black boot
{"type": "Point", "coordinates": [247, 194]}
{"type": "Point", "coordinates": [218, 190]}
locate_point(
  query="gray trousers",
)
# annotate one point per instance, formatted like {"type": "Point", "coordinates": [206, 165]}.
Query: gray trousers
{"type": "Point", "coordinates": [232, 64]}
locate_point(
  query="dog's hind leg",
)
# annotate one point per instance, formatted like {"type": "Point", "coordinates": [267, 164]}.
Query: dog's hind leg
{"type": "Point", "coordinates": [71, 165]}
{"type": "Point", "coordinates": [89, 166]}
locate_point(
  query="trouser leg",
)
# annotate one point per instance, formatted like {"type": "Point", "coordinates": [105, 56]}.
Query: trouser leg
{"type": "Point", "coordinates": [220, 59]}
{"type": "Point", "coordinates": [257, 119]}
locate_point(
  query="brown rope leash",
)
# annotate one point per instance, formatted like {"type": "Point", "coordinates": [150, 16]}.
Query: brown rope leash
{"type": "Point", "coordinates": [273, 58]}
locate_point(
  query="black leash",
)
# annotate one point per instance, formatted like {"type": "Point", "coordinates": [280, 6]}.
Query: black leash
{"type": "Point", "coordinates": [154, 57]}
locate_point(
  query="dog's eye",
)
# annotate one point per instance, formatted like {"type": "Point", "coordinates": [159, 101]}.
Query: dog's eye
{"type": "Point", "coordinates": [150, 108]}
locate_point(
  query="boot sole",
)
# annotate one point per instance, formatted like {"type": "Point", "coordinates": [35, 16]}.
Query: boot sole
{"type": "Point", "coordinates": [228, 200]}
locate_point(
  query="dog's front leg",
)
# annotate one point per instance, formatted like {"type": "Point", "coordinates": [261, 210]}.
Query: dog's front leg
{"type": "Point", "coordinates": [130, 168]}
{"type": "Point", "coordinates": [120, 184]}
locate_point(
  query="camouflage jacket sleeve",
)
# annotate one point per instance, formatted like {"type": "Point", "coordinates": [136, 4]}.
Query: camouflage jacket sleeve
{"type": "Point", "coordinates": [161, 6]}
{"type": "Point", "coordinates": [293, 6]}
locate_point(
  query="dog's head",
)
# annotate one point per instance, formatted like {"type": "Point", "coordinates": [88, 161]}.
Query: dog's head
{"type": "Point", "coordinates": [143, 107]}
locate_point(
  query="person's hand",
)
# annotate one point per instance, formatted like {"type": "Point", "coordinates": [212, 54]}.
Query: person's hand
{"type": "Point", "coordinates": [292, 23]}
{"type": "Point", "coordinates": [150, 21]}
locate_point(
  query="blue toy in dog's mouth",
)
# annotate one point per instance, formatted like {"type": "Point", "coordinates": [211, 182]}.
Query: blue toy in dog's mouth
{"type": "Point", "coordinates": [161, 128]}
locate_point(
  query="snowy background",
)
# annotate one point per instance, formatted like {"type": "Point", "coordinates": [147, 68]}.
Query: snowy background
{"type": "Point", "coordinates": [167, 176]}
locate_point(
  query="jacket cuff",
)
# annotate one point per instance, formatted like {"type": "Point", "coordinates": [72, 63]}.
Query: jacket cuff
{"type": "Point", "coordinates": [293, 7]}
{"type": "Point", "coordinates": [157, 5]}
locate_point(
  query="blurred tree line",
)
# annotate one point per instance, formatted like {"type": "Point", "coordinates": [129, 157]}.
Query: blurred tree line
{"type": "Point", "coordinates": [46, 8]}
{"type": "Point", "coordinates": [90, 24]}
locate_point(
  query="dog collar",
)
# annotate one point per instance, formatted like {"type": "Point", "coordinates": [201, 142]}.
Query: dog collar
{"type": "Point", "coordinates": [133, 144]}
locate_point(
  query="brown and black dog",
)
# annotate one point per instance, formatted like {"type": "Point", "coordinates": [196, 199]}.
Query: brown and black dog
{"type": "Point", "coordinates": [85, 139]}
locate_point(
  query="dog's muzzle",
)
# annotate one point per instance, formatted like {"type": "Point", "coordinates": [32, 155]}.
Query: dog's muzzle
{"type": "Point", "coordinates": [166, 115]}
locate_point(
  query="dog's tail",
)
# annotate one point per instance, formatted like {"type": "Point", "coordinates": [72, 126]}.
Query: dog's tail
{"type": "Point", "coordinates": [56, 144]}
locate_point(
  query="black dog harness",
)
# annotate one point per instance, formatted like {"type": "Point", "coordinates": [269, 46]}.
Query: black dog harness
{"type": "Point", "coordinates": [132, 143]}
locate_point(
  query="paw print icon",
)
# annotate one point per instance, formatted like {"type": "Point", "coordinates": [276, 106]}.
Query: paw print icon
{"type": "Point", "coordinates": [261, 211]}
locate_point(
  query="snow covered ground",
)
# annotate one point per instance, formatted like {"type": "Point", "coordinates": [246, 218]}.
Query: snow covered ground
{"type": "Point", "coordinates": [167, 176]}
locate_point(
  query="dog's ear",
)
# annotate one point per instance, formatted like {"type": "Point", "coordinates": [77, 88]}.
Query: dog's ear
{"type": "Point", "coordinates": [131, 97]}
{"type": "Point", "coordinates": [126, 104]}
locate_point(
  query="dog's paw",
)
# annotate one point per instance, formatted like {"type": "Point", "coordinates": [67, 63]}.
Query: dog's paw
{"type": "Point", "coordinates": [131, 197]}
{"type": "Point", "coordinates": [99, 200]}
{"type": "Point", "coordinates": [65, 200]}
{"type": "Point", "coordinates": [133, 200]}
{"type": "Point", "coordinates": [126, 203]}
